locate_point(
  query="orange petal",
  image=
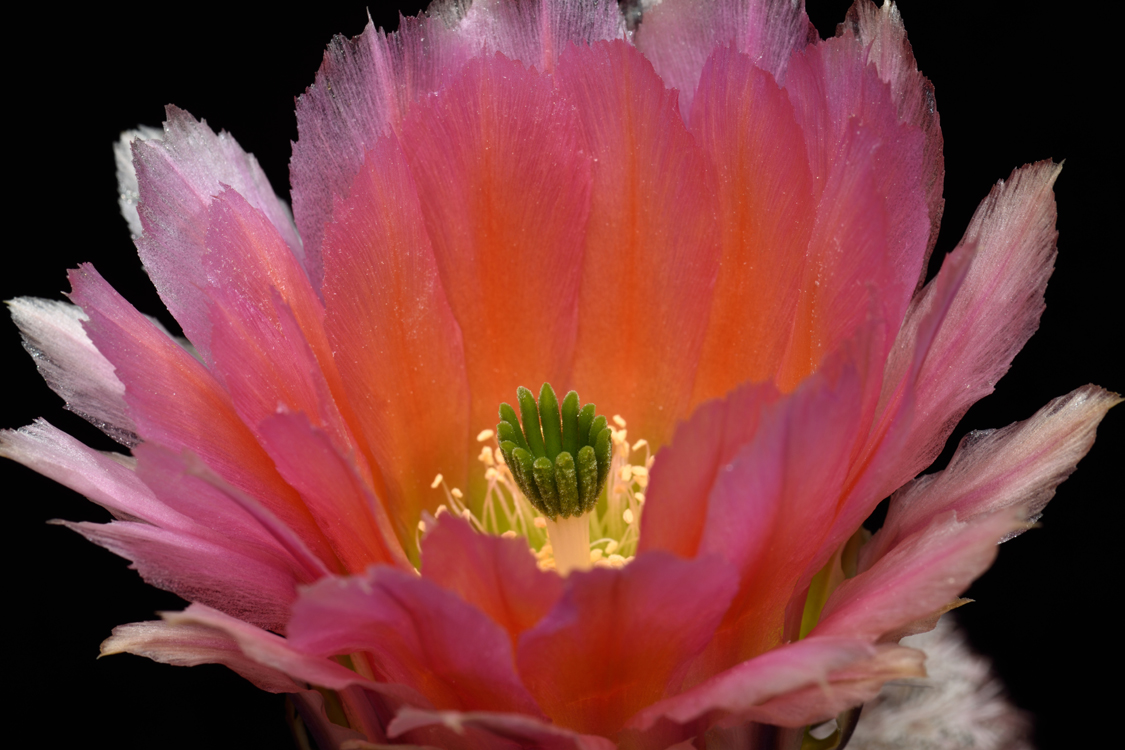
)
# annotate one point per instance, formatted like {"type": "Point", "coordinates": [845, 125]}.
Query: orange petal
{"type": "Point", "coordinates": [394, 339]}
{"type": "Point", "coordinates": [504, 188]}
{"type": "Point", "coordinates": [652, 247]}
{"type": "Point", "coordinates": [746, 125]}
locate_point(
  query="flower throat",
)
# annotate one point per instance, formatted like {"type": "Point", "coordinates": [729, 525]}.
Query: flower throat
{"type": "Point", "coordinates": [560, 478]}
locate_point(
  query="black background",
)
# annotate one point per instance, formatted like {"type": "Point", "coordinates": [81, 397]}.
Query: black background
{"type": "Point", "coordinates": [1016, 82]}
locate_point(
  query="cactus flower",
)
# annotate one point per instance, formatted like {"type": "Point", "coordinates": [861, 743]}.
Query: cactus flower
{"type": "Point", "coordinates": [688, 244]}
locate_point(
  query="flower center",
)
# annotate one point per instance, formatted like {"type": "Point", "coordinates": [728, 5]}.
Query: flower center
{"type": "Point", "coordinates": [564, 481]}
{"type": "Point", "coordinates": [561, 469]}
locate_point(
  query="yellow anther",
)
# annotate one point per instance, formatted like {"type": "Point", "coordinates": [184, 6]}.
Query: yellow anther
{"type": "Point", "coordinates": [640, 497]}
{"type": "Point", "coordinates": [626, 473]}
{"type": "Point", "coordinates": [491, 474]}
{"type": "Point", "coordinates": [627, 516]}
{"type": "Point", "coordinates": [485, 456]}
{"type": "Point", "coordinates": [421, 526]}
{"type": "Point", "coordinates": [441, 509]}
{"type": "Point", "coordinates": [640, 471]}
{"type": "Point", "coordinates": [617, 420]}
{"type": "Point", "coordinates": [595, 554]}
{"type": "Point", "coordinates": [457, 493]}
{"type": "Point", "coordinates": [466, 514]}
{"type": "Point", "coordinates": [509, 534]}
{"type": "Point", "coordinates": [498, 456]}
{"type": "Point", "coordinates": [484, 435]}
{"type": "Point", "coordinates": [640, 444]}
{"type": "Point", "coordinates": [616, 561]}
{"type": "Point", "coordinates": [611, 546]}
{"type": "Point", "coordinates": [437, 481]}
{"type": "Point", "coordinates": [540, 522]}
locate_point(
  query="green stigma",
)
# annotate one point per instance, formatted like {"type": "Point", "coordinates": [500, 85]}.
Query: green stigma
{"type": "Point", "coordinates": [560, 462]}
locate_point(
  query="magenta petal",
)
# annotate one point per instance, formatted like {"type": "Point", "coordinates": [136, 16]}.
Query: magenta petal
{"type": "Point", "coordinates": [497, 576]}
{"type": "Point", "coordinates": [618, 640]}
{"type": "Point", "coordinates": [176, 402]}
{"type": "Point", "coordinates": [66, 358]}
{"type": "Point", "coordinates": [418, 635]}
{"type": "Point", "coordinates": [268, 343]}
{"type": "Point", "coordinates": [808, 673]}
{"type": "Point", "coordinates": [678, 36]}
{"type": "Point", "coordinates": [245, 583]}
{"type": "Point", "coordinates": [266, 651]}
{"type": "Point", "coordinates": [177, 176]}
{"type": "Point", "coordinates": [344, 508]}
{"type": "Point", "coordinates": [219, 513]}
{"type": "Point", "coordinates": [524, 731]}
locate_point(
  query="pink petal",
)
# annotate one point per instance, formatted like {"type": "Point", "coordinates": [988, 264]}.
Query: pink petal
{"type": "Point", "coordinates": [104, 479]}
{"type": "Point", "coordinates": [537, 32]}
{"type": "Point", "coordinates": [504, 187]}
{"type": "Point", "coordinates": [917, 577]}
{"type": "Point", "coordinates": [652, 245]}
{"type": "Point", "coordinates": [620, 639]}
{"type": "Point", "coordinates": [417, 634]}
{"type": "Point", "coordinates": [189, 645]}
{"type": "Point", "coordinates": [176, 402]}
{"type": "Point", "coordinates": [881, 32]}
{"type": "Point", "coordinates": [364, 89]}
{"type": "Point", "coordinates": [361, 697]}
{"type": "Point", "coordinates": [219, 515]}
{"type": "Point", "coordinates": [367, 85]}
{"type": "Point", "coordinates": [1018, 466]}
{"type": "Point", "coordinates": [979, 331]}
{"type": "Point", "coordinates": [767, 475]}
{"type": "Point", "coordinates": [497, 576]}
{"type": "Point", "coordinates": [745, 123]}
{"type": "Point", "coordinates": [269, 346]}
{"type": "Point", "coordinates": [52, 333]}
{"type": "Point", "coordinates": [394, 339]}
{"type": "Point", "coordinates": [874, 471]}
{"type": "Point", "coordinates": [200, 544]}
{"type": "Point", "coordinates": [177, 176]}
{"type": "Point", "coordinates": [690, 466]}
{"type": "Point", "coordinates": [252, 585]}
{"type": "Point", "coordinates": [794, 684]}
{"type": "Point", "coordinates": [846, 688]}
{"type": "Point", "coordinates": [523, 730]}
{"type": "Point", "coordinates": [344, 508]}
{"type": "Point", "coordinates": [870, 169]}
{"type": "Point", "coordinates": [678, 36]}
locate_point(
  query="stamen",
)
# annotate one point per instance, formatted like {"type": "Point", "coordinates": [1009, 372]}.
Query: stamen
{"type": "Point", "coordinates": [613, 521]}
